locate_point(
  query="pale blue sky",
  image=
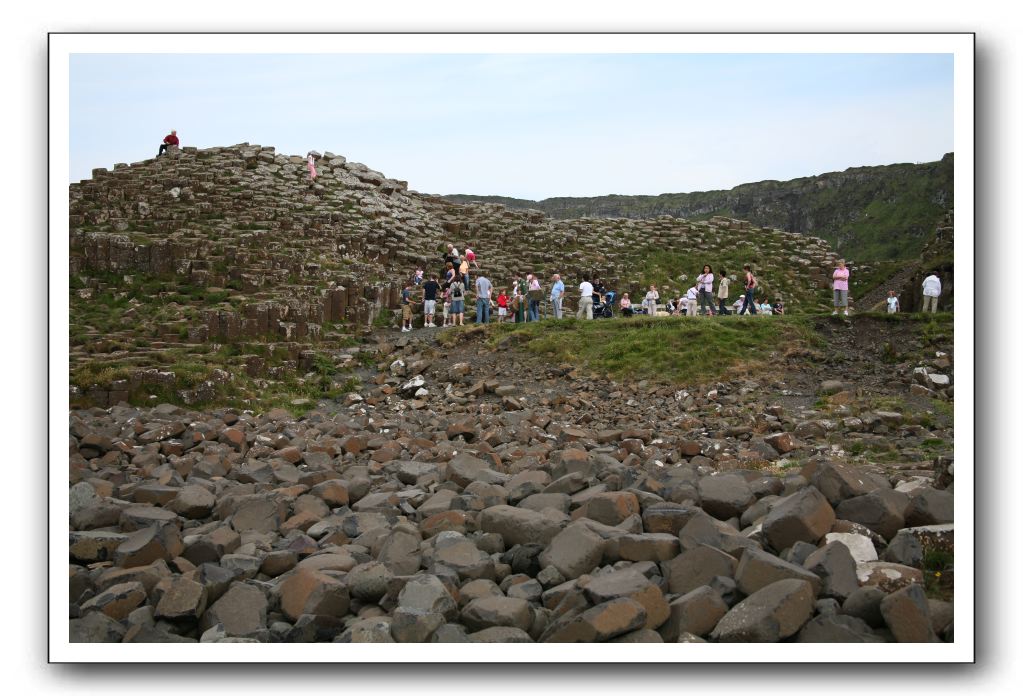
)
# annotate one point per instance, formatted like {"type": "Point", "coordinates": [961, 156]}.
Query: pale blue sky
{"type": "Point", "coordinates": [529, 126]}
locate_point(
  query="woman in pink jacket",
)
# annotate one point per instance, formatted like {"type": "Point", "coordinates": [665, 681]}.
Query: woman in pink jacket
{"type": "Point", "coordinates": [840, 285]}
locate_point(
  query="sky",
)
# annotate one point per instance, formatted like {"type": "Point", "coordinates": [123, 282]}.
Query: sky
{"type": "Point", "coordinates": [528, 126]}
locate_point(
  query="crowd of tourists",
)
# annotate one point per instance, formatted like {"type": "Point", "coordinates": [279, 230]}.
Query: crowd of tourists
{"type": "Point", "coordinates": [444, 296]}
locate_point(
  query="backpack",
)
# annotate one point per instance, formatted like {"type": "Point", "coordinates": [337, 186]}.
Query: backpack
{"type": "Point", "coordinates": [456, 291]}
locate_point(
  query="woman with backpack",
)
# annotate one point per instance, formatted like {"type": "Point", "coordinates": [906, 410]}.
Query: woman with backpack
{"type": "Point", "coordinates": [750, 285]}
{"type": "Point", "coordinates": [457, 301]}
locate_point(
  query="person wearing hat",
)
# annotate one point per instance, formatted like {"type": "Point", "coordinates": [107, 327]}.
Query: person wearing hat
{"type": "Point", "coordinates": [168, 142]}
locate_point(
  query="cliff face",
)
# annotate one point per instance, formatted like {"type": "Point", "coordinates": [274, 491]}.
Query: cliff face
{"type": "Point", "coordinates": [865, 213]}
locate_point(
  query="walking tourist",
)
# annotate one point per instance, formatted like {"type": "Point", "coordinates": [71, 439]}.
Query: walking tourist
{"type": "Point", "coordinates": [750, 285]}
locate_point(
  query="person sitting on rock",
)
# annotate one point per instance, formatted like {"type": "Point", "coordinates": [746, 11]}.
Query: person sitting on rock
{"type": "Point", "coordinates": [626, 305]}
{"type": "Point", "coordinates": [169, 142]}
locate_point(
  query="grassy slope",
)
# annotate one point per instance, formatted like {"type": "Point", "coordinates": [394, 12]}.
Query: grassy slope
{"type": "Point", "coordinates": [681, 351]}
{"type": "Point", "coordinates": [664, 349]}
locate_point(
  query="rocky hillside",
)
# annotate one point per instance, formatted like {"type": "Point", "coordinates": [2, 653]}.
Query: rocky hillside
{"type": "Point", "coordinates": [226, 272]}
{"type": "Point", "coordinates": [477, 490]}
{"type": "Point", "coordinates": [865, 213]}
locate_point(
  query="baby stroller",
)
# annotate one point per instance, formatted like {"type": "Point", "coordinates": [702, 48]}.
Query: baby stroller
{"type": "Point", "coordinates": [605, 309]}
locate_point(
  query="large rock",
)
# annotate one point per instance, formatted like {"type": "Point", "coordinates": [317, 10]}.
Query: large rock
{"type": "Point", "coordinates": [838, 481]}
{"type": "Point", "coordinates": [930, 507]}
{"type": "Point", "coordinates": [464, 557]}
{"type": "Point", "coordinates": [880, 511]}
{"type": "Point", "coordinates": [368, 582]}
{"type": "Point", "coordinates": [193, 502]}
{"type": "Point", "coordinates": [95, 627]}
{"type": "Point", "coordinates": [486, 612]}
{"type": "Point", "coordinates": [117, 601]}
{"type": "Point", "coordinates": [180, 598]}
{"type": "Point", "coordinates": [465, 468]}
{"type": "Point", "coordinates": [154, 543]}
{"type": "Point", "coordinates": [837, 629]}
{"type": "Point", "coordinates": [519, 526]}
{"type": "Point", "coordinates": [611, 508]}
{"type": "Point", "coordinates": [258, 514]}
{"type": "Point", "coordinates": [725, 496]}
{"type": "Point", "coordinates": [648, 547]}
{"type": "Point", "coordinates": [769, 615]}
{"type": "Point", "coordinates": [94, 546]}
{"type": "Point", "coordinates": [241, 611]}
{"type": "Point", "coordinates": [889, 577]}
{"type": "Point", "coordinates": [860, 546]}
{"type": "Point", "coordinates": [697, 567]}
{"type": "Point", "coordinates": [632, 584]}
{"type": "Point", "coordinates": [600, 623]}
{"type": "Point", "coordinates": [805, 515]}
{"type": "Point", "coordinates": [865, 604]}
{"type": "Point", "coordinates": [414, 625]}
{"type": "Point", "coordinates": [400, 551]}
{"type": "Point", "coordinates": [757, 569]}
{"type": "Point", "coordinates": [427, 593]}
{"type": "Point", "coordinates": [908, 615]}
{"type": "Point", "coordinates": [836, 568]}
{"type": "Point", "coordinates": [696, 612]}
{"type": "Point", "coordinates": [574, 550]}
{"type": "Point", "coordinates": [312, 592]}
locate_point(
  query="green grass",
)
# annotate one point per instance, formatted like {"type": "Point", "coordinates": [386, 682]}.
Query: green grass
{"type": "Point", "coordinates": [665, 350]}
{"type": "Point", "coordinates": [938, 569]}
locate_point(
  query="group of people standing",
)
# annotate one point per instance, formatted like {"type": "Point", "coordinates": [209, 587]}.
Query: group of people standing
{"type": "Point", "coordinates": [931, 290]}
{"type": "Point", "coordinates": [521, 301]}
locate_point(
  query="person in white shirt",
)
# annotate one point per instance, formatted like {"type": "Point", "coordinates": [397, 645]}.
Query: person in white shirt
{"type": "Point", "coordinates": [932, 291]}
{"type": "Point", "coordinates": [651, 300]}
{"type": "Point", "coordinates": [691, 295]}
{"type": "Point", "coordinates": [893, 302]}
{"type": "Point", "coordinates": [585, 300]}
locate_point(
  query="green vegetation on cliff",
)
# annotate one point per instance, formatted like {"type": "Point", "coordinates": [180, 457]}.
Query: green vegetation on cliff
{"type": "Point", "coordinates": [867, 213]}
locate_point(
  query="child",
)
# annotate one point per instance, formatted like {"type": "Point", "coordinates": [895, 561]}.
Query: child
{"type": "Point", "coordinates": [418, 279]}
{"type": "Point", "coordinates": [893, 302]}
{"type": "Point", "coordinates": [502, 306]}
{"type": "Point", "coordinates": [447, 306]}
{"type": "Point", "coordinates": [406, 307]}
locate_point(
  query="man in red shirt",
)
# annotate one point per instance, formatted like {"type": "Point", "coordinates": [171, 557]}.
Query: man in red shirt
{"type": "Point", "coordinates": [171, 139]}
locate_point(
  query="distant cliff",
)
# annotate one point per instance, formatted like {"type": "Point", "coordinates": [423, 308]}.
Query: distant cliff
{"type": "Point", "coordinates": [866, 213]}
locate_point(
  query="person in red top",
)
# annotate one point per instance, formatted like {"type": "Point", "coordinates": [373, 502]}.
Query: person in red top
{"type": "Point", "coordinates": [171, 139]}
{"type": "Point", "coordinates": [502, 306]}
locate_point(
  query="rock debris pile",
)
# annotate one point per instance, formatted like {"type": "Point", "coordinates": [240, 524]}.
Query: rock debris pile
{"type": "Point", "coordinates": [469, 506]}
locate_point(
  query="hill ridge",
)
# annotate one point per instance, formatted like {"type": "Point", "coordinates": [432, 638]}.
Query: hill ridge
{"type": "Point", "coordinates": [856, 210]}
